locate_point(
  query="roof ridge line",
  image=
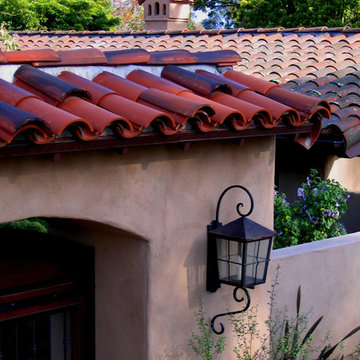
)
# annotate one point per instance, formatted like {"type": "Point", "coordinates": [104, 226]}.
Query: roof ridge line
{"type": "Point", "coordinates": [319, 29]}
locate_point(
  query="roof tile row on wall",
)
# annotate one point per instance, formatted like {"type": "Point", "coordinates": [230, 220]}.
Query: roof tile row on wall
{"type": "Point", "coordinates": [321, 63]}
{"type": "Point", "coordinates": [127, 107]}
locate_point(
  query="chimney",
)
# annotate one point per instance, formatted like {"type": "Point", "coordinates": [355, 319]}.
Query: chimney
{"type": "Point", "coordinates": [166, 14]}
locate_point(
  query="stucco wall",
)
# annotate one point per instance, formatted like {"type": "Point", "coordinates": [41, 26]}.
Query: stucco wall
{"type": "Point", "coordinates": [328, 273]}
{"type": "Point", "coordinates": [163, 198]}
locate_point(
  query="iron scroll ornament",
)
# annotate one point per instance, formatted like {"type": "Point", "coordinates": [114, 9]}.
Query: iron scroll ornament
{"type": "Point", "coordinates": [247, 304]}
{"type": "Point", "coordinates": [238, 206]}
{"type": "Point", "coordinates": [246, 298]}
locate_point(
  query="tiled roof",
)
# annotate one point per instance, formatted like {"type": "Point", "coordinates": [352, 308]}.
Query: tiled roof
{"type": "Point", "coordinates": [80, 99]}
{"type": "Point", "coordinates": [320, 62]}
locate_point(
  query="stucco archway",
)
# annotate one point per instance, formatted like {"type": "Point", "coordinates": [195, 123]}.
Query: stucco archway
{"type": "Point", "coordinates": [121, 286]}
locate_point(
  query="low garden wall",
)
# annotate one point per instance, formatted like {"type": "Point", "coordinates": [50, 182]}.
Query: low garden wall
{"type": "Point", "coordinates": [328, 272]}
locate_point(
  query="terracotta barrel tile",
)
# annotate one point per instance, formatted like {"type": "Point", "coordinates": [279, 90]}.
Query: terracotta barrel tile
{"type": "Point", "coordinates": [258, 85]}
{"type": "Point", "coordinates": [57, 119]}
{"type": "Point", "coordinates": [141, 116]}
{"type": "Point", "coordinates": [252, 113]}
{"type": "Point", "coordinates": [175, 104]}
{"type": "Point", "coordinates": [171, 57]}
{"type": "Point", "coordinates": [309, 85]}
{"type": "Point", "coordinates": [235, 87]}
{"type": "Point", "coordinates": [26, 56]}
{"type": "Point", "coordinates": [48, 84]}
{"type": "Point", "coordinates": [223, 113]}
{"type": "Point", "coordinates": [197, 83]}
{"type": "Point", "coordinates": [149, 80]}
{"type": "Point", "coordinates": [217, 57]}
{"type": "Point", "coordinates": [324, 80]}
{"type": "Point", "coordinates": [278, 111]}
{"type": "Point", "coordinates": [348, 89]}
{"type": "Point", "coordinates": [352, 139]}
{"type": "Point", "coordinates": [300, 102]}
{"type": "Point", "coordinates": [349, 111]}
{"type": "Point", "coordinates": [99, 118]}
{"type": "Point", "coordinates": [36, 92]}
{"type": "Point", "coordinates": [133, 56]}
{"type": "Point", "coordinates": [309, 139]}
{"type": "Point", "coordinates": [123, 87]}
{"type": "Point", "coordinates": [2, 57]}
{"type": "Point", "coordinates": [12, 94]}
{"type": "Point", "coordinates": [96, 91]}
{"type": "Point", "coordinates": [14, 121]}
{"type": "Point", "coordinates": [323, 72]}
{"type": "Point", "coordinates": [85, 56]}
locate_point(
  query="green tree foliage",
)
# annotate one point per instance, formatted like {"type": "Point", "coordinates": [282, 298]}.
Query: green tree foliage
{"type": "Point", "coordinates": [33, 224]}
{"type": "Point", "coordinates": [286, 13]}
{"type": "Point", "coordinates": [7, 43]}
{"type": "Point", "coordinates": [314, 215]}
{"type": "Point", "coordinates": [58, 14]}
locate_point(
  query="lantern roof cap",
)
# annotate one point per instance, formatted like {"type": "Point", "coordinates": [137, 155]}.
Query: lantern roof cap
{"type": "Point", "coordinates": [242, 230]}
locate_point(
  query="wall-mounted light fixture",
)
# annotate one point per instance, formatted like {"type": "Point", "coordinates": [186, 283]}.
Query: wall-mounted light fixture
{"type": "Point", "coordinates": [238, 254]}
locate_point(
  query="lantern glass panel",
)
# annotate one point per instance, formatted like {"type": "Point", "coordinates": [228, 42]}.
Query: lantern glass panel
{"type": "Point", "coordinates": [256, 261]}
{"type": "Point", "coordinates": [230, 259]}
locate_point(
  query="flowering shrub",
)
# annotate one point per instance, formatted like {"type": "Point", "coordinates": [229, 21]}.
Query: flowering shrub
{"type": "Point", "coordinates": [314, 215]}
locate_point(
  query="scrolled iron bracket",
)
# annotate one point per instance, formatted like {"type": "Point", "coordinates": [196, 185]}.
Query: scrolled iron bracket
{"type": "Point", "coordinates": [245, 298]}
{"type": "Point", "coordinates": [238, 206]}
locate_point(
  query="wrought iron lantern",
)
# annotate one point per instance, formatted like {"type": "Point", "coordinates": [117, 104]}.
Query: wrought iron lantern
{"type": "Point", "coordinates": [238, 253]}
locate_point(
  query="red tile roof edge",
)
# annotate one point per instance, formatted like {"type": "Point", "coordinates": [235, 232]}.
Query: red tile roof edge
{"type": "Point", "coordinates": [319, 29]}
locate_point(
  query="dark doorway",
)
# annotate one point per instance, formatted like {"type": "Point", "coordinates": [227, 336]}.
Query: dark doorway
{"type": "Point", "coordinates": [46, 297]}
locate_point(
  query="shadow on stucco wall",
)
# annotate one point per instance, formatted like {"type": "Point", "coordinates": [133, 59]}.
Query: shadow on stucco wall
{"type": "Point", "coordinates": [195, 264]}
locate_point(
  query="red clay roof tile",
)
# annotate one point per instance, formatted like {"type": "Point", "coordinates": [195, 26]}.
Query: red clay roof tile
{"type": "Point", "coordinates": [124, 57]}
{"type": "Point", "coordinates": [309, 58]}
{"type": "Point", "coordinates": [47, 84]}
{"type": "Point", "coordinates": [28, 56]}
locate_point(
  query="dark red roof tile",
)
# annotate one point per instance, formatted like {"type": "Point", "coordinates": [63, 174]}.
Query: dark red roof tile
{"type": "Point", "coordinates": [14, 121]}
{"type": "Point", "coordinates": [258, 85]}
{"type": "Point", "coordinates": [306, 105]}
{"type": "Point", "coordinates": [28, 56]}
{"type": "Point", "coordinates": [196, 82]}
{"type": "Point", "coordinates": [98, 117]}
{"type": "Point", "coordinates": [2, 57]}
{"type": "Point", "coordinates": [251, 112]}
{"type": "Point", "coordinates": [55, 119]}
{"type": "Point", "coordinates": [224, 57]}
{"type": "Point", "coordinates": [47, 84]}
{"type": "Point", "coordinates": [171, 57]}
{"type": "Point", "coordinates": [309, 58]}
{"type": "Point", "coordinates": [86, 56]}
{"type": "Point", "coordinates": [124, 57]}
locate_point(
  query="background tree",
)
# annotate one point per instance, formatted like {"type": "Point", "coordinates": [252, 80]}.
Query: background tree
{"type": "Point", "coordinates": [58, 15]}
{"type": "Point", "coordinates": [131, 14]}
{"type": "Point", "coordinates": [286, 13]}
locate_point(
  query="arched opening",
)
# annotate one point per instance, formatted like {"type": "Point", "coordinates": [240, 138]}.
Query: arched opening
{"type": "Point", "coordinates": [157, 8]}
{"type": "Point", "coordinates": [85, 263]}
{"type": "Point", "coordinates": [121, 292]}
{"type": "Point", "coordinates": [164, 9]}
{"type": "Point", "coordinates": [149, 10]}
{"type": "Point", "coordinates": [46, 297]}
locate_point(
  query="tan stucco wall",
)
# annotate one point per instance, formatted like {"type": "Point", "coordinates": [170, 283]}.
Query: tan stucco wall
{"type": "Point", "coordinates": [346, 171]}
{"type": "Point", "coordinates": [328, 273]}
{"type": "Point", "coordinates": [164, 198]}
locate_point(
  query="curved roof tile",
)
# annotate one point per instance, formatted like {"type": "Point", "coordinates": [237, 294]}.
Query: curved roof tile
{"type": "Point", "coordinates": [312, 61]}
